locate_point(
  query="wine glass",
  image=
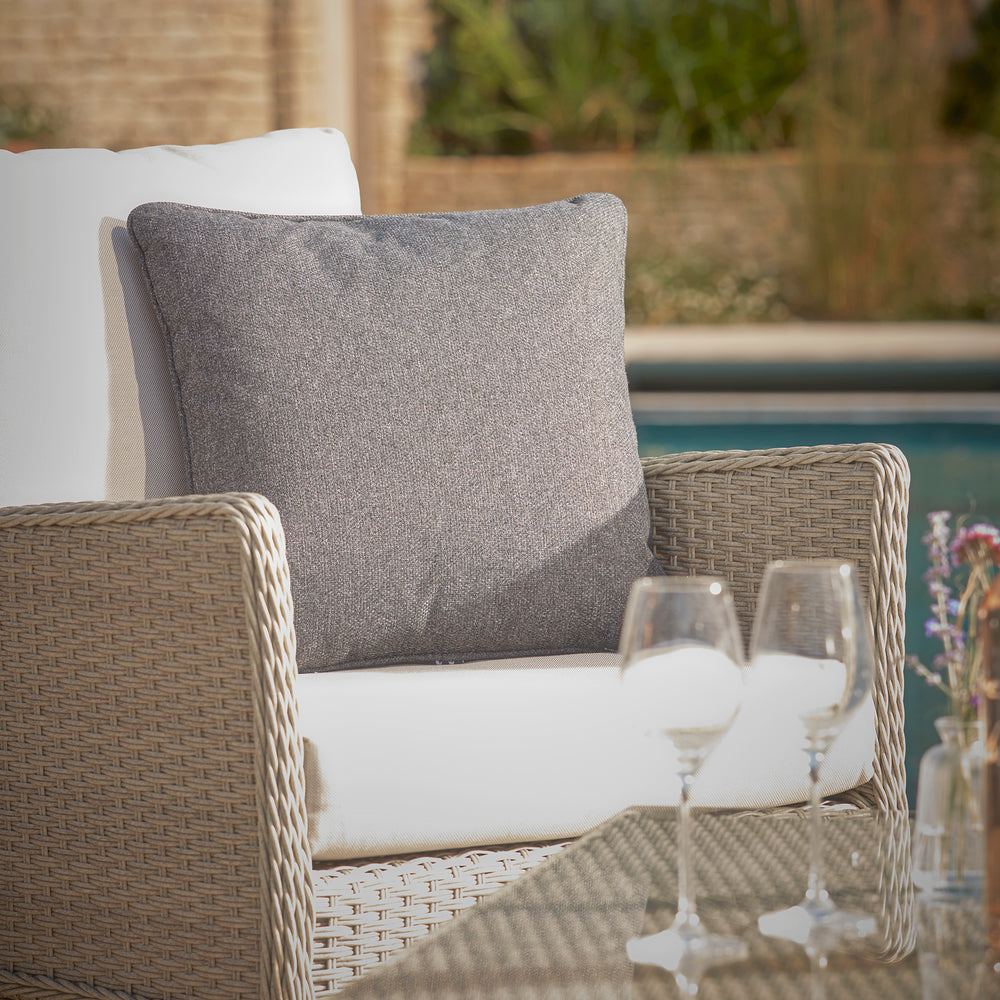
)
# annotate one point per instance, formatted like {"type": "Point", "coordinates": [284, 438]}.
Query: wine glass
{"type": "Point", "coordinates": [811, 643]}
{"type": "Point", "coordinates": [682, 673]}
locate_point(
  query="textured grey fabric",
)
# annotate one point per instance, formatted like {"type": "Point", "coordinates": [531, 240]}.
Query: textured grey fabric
{"type": "Point", "coordinates": [436, 404]}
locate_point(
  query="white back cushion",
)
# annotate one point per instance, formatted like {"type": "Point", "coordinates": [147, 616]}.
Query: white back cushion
{"type": "Point", "coordinates": [86, 405]}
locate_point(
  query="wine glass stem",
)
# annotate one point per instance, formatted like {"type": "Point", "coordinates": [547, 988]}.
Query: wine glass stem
{"type": "Point", "coordinates": [685, 893]}
{"type": "Point", "coordinates": [817, 963]}
{"type": "Point", "coordinates": [816, 892]}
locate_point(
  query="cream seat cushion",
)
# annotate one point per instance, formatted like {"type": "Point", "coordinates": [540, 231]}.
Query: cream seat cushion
{"type": "Point", "coordinates": [86, 404]}
{"type": "Point", "coordinates": [415, 758]}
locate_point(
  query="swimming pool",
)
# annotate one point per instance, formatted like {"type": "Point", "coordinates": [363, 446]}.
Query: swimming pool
{"type": "Point", "coordinates": [951, 440]}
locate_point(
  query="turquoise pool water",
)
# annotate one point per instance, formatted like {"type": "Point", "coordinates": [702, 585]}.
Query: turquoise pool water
{"type": "Point", "coordinates": [954, 463]}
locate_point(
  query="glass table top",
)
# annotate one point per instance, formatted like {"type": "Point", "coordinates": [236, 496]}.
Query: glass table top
{"type": "Point", "coordinates": [561, 930]}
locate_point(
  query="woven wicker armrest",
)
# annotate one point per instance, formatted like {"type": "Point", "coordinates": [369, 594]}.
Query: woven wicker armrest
{"type": "Point", "coordinates": [723, 513]}
{"type": "Point", "coordinates": [153, 837]}
{"type": "Point", "coordinates": [729, 513]}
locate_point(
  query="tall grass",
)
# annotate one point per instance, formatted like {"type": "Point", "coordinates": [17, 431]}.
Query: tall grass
{"type": "Point", "coordinates": [868, 111]}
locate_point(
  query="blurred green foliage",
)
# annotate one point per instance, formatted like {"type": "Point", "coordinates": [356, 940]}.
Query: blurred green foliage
{"type": "Point", "coordinates": [661, 290]}
{"type": "Point", "coordinates": [23, 119]}
{"type": "Point", "coordinates": [972, 97]}
{"type": "Point", "coordinates": [863, 89]}
{"type": "Point", "coordinates": [523, 76]}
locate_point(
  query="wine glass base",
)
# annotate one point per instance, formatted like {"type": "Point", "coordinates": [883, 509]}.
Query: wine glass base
{"type": "Point", "coordinates": [820, 926]}
{"type": "Point", "coordinates": [687, 950]}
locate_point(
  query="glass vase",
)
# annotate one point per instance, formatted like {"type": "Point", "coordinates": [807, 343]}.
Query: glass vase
{"type": "Point", "coordinates": [948, 836]}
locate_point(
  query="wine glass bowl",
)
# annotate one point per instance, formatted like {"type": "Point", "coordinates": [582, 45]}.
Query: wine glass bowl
{"type": "Point", "coordinates": [682, 662]}
{"type": "Point", "coordinates": [812, 638]}
{"type": "Point", "coordinates": [811, 641]}
{"type": "Point", "coordinates": [682, 669]}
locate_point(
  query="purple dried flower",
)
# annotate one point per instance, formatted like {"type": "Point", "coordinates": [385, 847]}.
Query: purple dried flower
{"type": "Point", "coordinates": [974, 556]}
{"type": "Point", "coordinates": [943, 661]}
{"type": "Point", "coordinates": [939, 531]}
{"type": "Point", "coordinates": [937, 540]}
{"type": "Point", "coordinates": [932, 677]}
{"type": "Point", "coordinates": [977, 543]}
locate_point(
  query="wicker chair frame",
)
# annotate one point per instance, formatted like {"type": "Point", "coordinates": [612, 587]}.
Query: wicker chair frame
{"type": "Point", "coordinates": [154, 829]}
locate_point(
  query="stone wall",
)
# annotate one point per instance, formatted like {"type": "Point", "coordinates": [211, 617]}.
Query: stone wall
{"type": "Point", "coordinates": [392, 36]}
{"type": "Point", "coordinates": [298, 51]}
{"type": "Point", "coordinates": [709, 206]}
{"type": "Point", "coordinates": [121, 74]}
{"type": "Point", "coordinates": [748, 206]}
{"type": "Point", "coordinates": [751, 214]}
{"type": "Point", "coordinates": [126, 73]}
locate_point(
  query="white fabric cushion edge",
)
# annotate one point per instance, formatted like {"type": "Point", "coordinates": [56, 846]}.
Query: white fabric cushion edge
{"type": "Point", "coordinates": [415, 758]}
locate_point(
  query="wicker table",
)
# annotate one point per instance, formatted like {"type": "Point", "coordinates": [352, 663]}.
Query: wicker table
{"type": "Point", "coordinates": [561, 930]}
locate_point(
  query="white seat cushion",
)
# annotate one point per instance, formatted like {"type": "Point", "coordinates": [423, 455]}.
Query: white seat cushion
{"type": "Point", "coordinates": [415, 758]}
{"type": "Point", "coordinates": [86, 404]}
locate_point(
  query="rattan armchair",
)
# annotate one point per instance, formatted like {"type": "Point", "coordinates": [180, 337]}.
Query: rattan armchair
{"type": "Point", "coordinates": [152, 795]}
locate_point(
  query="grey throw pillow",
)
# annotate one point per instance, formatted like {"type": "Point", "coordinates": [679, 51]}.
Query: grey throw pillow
{"type": "Point", "coordinates": [437, 406]}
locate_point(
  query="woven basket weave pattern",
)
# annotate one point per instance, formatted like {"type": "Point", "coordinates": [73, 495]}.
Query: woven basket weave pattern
{"type": "Point", "coordinates": [721, 513]}
{"type": "Point", "coordinates": [562, 932]}
{"type": "Point", "coordinates": [154, 834]}
{"type": "Point", "coordinates": [369, 913]}
{"type": "Point", "coordinates": [730, 513]}
{"type": "Point", "coordinates": [161, 633]}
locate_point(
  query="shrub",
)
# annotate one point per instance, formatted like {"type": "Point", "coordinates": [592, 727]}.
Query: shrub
{"type": "Point", "coordinates": [22, 119]}
{"type": "Point", "coordinates": [521, 76]}
{"type": "Point", "coordinates": [972, 97]}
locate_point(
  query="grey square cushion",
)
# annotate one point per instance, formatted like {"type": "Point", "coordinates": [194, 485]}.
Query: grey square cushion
{"type": "Point", "coordinates": [437, 406]}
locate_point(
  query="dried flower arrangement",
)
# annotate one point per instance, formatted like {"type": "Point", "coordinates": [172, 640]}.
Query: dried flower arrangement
{"type": "Point", "coordinates": [962, 568]}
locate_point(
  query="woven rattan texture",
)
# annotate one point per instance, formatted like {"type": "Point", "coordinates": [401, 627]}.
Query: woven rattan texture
{"type": "Point", "coordinates": [561, 931]}
{"type": "Point", "coordinates": [152, 832]}
{"type": "Point", "coordinates": [724, 513]}
{"type": "Point", "coordinates": [366, 914]}
{"type": "Point", "coordinates": [729, 513]}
